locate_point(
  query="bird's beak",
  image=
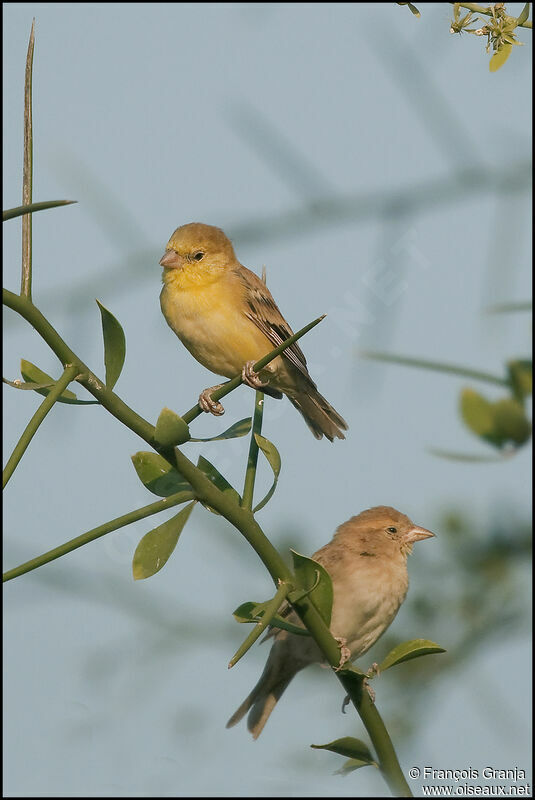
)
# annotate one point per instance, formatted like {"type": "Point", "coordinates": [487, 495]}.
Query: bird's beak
{"type": "Point", "coordinates": [416, 534]}
{"type": "Point", "coordinates": [171, 260]}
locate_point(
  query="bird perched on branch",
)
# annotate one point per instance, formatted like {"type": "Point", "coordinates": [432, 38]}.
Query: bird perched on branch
{"type": "Point", "coordinates": [226, 317]}
{"type": "Point", "coordinates": [367, 562]}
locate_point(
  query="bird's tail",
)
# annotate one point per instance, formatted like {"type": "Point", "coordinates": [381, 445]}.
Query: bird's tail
{"type": "Point", "coordinates": [262, 700]}
{"type": "Point", "coordinates": [319, 415]}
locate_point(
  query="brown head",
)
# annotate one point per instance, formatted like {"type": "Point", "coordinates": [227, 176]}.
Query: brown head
{"type": "Point", "coordinates": [381, 529]}
{"type": "Point", "coordinates": [200, 247]}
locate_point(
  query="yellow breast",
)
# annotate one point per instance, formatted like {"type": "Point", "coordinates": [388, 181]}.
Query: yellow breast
{"type": "Point", "coordinates": [207, 316]}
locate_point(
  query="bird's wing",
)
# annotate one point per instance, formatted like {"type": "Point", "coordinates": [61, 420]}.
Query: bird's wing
{"type": "Point", "coordinates": [264, 312]}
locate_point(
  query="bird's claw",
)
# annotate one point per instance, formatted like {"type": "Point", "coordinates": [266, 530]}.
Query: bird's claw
{"type": "Point", "coordinates": [345, 652]}
{"type": "Point", "coordinates": [250, 377]}
{"type": "Point", "coordinates": [369, 689]}
{"type": "Point", "coordinates": [373, 671]}
{"type": "Point", "coordinates": [208, 405]}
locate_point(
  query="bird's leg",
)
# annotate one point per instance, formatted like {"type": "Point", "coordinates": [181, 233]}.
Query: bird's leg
{"type": "Point", "coordinates": [207, 404]}
{"type": "Point", "coordinates": [373, 672]}
{"type": "Point", "coordinates": [369, 689]}
{"type": "Point", "coordinates": [345, 652]}
{"type": "Point", "coordinates": [347, 700]}
{"type": "Point", "coordinates": [250, 377]}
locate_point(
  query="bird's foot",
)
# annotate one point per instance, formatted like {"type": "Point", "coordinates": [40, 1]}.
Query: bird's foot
{"type": "Point", "coordinates": [208, 405]}
{"type": "Point", "coordinates": [345, 652]}
{"type": "Point", "coordinates": [369, 689]}
{"type": "Point", "coordinates": [250, 377]}
{"type": "Point", "coordinates": [347, 700]}
{"type": "Point", "coordinates": [373, 671]}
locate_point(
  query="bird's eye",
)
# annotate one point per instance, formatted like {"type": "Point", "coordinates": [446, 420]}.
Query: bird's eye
{"type": "Point", "coordinates": [199, 256]}
{"type": "Point", "coordinates": [392, 530]}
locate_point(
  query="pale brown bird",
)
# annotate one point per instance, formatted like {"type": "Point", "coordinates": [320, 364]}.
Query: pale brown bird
{"type": "Point", "coordinates": [226, 317]}
{"type": "Point", "coordinates": [367, 562]}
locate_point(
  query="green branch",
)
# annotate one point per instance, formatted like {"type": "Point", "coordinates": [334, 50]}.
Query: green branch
{"type": "Point", "coordinates": [252, 458]}
{"type": "Point", "coordinates": [229, 386]}
{"type": "Point", "coordinates": [27, 173]}
{"type": "Point", "coordinates": [453, 369]}
{"type": "Point", "coordinates": [31, 429]}
{"type": "Point", "coordinates": [244, 521]}
{"type": "Point", "coordinates": [95, 533]}
{"type": "Point", "coordinates": [241, 518]}
{"type": "Point", "coordinates": [500, 308]}
{"type": "Point", "coordinates": [477, 9]}
{"type": "Point", "coordinates": [86, 378]}
{"type": "Point", "coordinates": [98, 389]}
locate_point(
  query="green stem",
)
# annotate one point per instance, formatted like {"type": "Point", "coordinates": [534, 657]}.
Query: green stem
{"type": "Point", "coordinates": [229, 386]}
{"type": "Point", "coordinates": [86, 378]}
{"type": "Point", "coordinates": [388, 760]}
{"type": "Point", "coordinates": [352, 683]}
{"type": "Point", "coordinates": [31, 429]}
{"type": "Point", "coordinates": [477, 9]}
{"type": "Point", "coordinates": [98, 389]}
{"type": "Point", "coordinates": [27, 173]}
{"type": "Point", "coordinates": [242, 519]}
{"type": "Point", "coordinates": [453, 369]}
{"type": "Point", "coordinates": [252, 459]}
{"type": "Point", "coordinates": [95, 533]}
{"type": "Point", "coordinates": [269, 612]}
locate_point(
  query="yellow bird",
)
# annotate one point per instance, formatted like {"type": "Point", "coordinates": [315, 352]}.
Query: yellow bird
{"type": "Point", "coordinates": [228, 320]}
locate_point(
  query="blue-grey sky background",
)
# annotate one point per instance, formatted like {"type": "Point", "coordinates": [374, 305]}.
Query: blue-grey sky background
{"type": "Point", "coordinates": [360, 154]}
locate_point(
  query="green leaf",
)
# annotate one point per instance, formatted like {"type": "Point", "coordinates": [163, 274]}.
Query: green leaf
{"type": "Point", "coordinates": [477, 413]}
{"type": "Point", "coordinates": [114, 346]}
{"type": "Point", "coordinates": [499, 58]}
{"type": "Point", "coordinates": [33, 374]}
{"type": "Point", "coordinates": [274, 461]}
{"type": "Point", "coordinates": [352, 764]}
{"type": "Point", "coordinates": [510, 421]}
{"type": "Point", "coordinates": [350, 747]}
{"type": "Point", "coordinates": [157, 545]}
{"type": "Point", "coordinates": [170, 429]}
{"type": "Point", "coordinates": [316, 582]}
{"type": "Point", "coordinates": [407, 650]}
{"type": "Point", "coordinates": [521, 377]}
{"type": "Point", "coordinates": [270, 611]}
{"type": "Point", "coordinates": [157, 475]}
{"type": "Point", "coordinates": [240, 428]}
{"type": "Point", "coordinates": [10, 213]}
{"type": "Point", "coordinates": [499, 422]}
{"type": "Point", "coordinates": [524, 14]}
{"type": "Point", "coordinates": [253, 612]}
{"type": "Point", "coordinates": [218, 480]}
